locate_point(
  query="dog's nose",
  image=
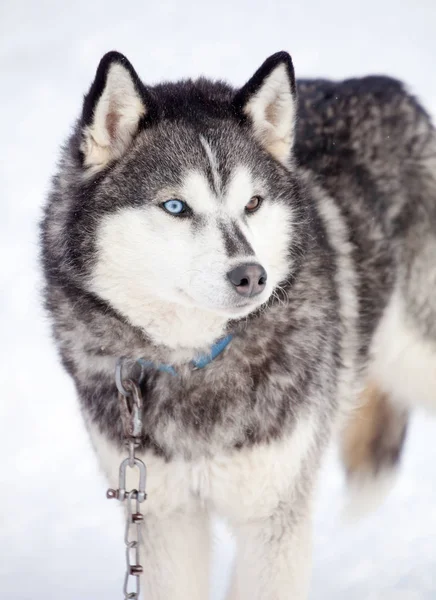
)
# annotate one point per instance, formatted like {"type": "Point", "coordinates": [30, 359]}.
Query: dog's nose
{"type": "Point", "coordinates": [249, 279]}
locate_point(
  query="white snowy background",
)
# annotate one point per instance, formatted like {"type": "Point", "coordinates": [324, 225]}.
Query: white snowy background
{"type": "Point", "coordinates": [60, 537]}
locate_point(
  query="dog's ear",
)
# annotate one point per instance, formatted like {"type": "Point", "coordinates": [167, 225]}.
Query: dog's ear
{"type": "Point", "coordinates": [113, 109]}
{"type": "Point", "coordinates": [269, 102]}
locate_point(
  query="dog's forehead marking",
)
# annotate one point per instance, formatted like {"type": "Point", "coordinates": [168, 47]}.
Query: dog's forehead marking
{"type": "Point", "coordinates": [198, 193]}
{"type": "Point", "coordinates": [216, 179]}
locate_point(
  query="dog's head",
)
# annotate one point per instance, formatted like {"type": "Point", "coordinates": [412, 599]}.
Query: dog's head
{"type": "Point", "coordinates": [190, 194]}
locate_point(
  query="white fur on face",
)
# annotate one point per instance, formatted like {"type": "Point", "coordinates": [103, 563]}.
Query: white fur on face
{"type": "Point", "coordinates": [115, 122]}
{"type": "Point", "coordinates": [170, 278]}
{"type": "Point", "coordinates": [268, 230]}
{"type": "Point", "coordinates": [272, 110]}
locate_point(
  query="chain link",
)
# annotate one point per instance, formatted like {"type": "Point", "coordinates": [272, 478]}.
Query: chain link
{"type": "Point", "coordinates": [131, 413]}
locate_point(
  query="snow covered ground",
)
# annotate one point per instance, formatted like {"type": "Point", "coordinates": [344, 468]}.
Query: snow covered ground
{"type": "Point", "coordinates": [60, 537]}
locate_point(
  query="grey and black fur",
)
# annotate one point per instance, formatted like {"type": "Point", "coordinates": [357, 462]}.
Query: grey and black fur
{"type": "Point", "coordinates": [359, 187]}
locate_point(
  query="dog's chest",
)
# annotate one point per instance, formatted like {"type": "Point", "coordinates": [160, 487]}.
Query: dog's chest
{"type": "Point", "coordinates": [230, 404]}
{"type": "Point", "coordinates": [236, 483]}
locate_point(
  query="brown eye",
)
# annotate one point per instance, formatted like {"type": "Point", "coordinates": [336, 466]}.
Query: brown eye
{"type": "Point", "coordinates": [253, 205]}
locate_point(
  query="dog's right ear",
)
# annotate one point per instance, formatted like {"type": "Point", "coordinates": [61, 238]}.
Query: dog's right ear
{"type": "Point", "coordinates": [113, 110]}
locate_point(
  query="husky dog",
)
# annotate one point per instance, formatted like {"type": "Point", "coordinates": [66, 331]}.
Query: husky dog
{"type": "Point", "coordinates": [294, 244]}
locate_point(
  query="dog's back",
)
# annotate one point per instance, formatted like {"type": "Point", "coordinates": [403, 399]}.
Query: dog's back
{"type": "Point", "coordinates": [378, 159]}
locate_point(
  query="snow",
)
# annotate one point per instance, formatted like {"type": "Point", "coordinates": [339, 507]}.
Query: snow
{"type": "Point", "coordinates": [60, 537]}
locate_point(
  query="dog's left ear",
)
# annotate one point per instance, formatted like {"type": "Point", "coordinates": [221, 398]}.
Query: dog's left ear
{"type": "Point", "coordinates": [269, 101]}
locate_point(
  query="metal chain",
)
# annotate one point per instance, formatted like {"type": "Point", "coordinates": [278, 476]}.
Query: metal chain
{"type": "Point", "coordinates": [132, 539]}
{"type": "Point", "coordinates": [131, 415]}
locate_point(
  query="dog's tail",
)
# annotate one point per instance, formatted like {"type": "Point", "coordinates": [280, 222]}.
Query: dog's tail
{"type": "Point", "coordinates": [371, 447]}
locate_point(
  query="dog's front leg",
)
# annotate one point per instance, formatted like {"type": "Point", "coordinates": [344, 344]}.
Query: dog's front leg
{"type": "Point", "coordinates": [273, 557]}
{"type": "Point", "coordinates": [175, 556]}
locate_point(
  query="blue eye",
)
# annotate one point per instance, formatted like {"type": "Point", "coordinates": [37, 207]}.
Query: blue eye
{"type": "Point", "coordinates": [175, 207]}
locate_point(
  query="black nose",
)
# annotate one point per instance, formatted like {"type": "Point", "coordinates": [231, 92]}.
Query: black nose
{"type": "Point", "coordinates": [249, 279]}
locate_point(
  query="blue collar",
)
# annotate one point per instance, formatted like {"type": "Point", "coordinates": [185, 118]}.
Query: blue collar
{"type": "Point", "coordinates": [199, 362]}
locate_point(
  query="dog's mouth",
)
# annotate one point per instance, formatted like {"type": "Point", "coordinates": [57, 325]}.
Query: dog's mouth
{"type": "Point", "coordinates": [238, 308]}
